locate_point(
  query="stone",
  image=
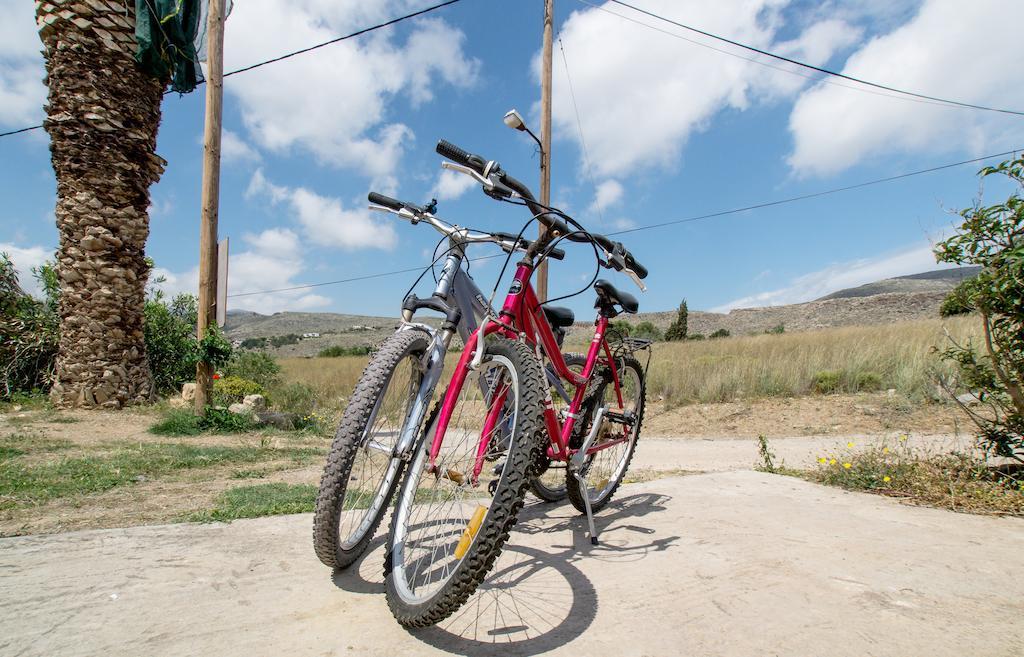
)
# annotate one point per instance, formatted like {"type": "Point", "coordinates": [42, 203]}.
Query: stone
{"type": "Point", "coordinates": [188, 392]}
{"type": "Point", "coordinates": [284, 421]}
{"type": "Point", "coordinates": [240, 409]}
{"type": "Point", "coordinates": [255, 402]}
{"type": "Point", "coordinates": [968, 399]}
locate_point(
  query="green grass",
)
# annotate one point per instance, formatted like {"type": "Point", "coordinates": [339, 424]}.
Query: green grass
{"type": "Point", "coordinates": [260, 500]}
{"type": "Point", "coordinates": [31, 483]}
{"type": "Point", "coordinates": [30, 442]}
{"type": "Point", "coordinates": [9, 452]}
{"type": "Point", "coordinates": [183, 422]}
{"type": "Point", "coordinates": [955, 481]}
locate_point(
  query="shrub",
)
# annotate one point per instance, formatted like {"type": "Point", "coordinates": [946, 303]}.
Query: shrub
{"type": "Point", "coordinates": [778, 329]}
{"type": "Point", "coordinates": [255, 366]}
{"type": "Point", "coordinates": [827, 381]}
{"type": "Point", "coordinates": [170, 333]}
{"type": "Point", "coordinates": [282, 340]}
{"type": "Point", "coordinates": [229, 390]}
{"type": "Point", "coordinates": [28, 331]}
{"type": "Point", "coordinates": [720, 333]}
{"type": "Point", "coordinates": [647, 331]}
{"type": "Point", "coordinates": [958, 301]}
{"type": "Point", "coordinates": [182, 422]}
{"type": "Point", "coordinates": [253, 343]}
{"type": "Point", "coordinates": [993, 237]}
{"type": "Point", "coordinates": [337, 350]}
{"type": "Point", "coordinates": [695, 336]}
{"type": "Point", "coordinates": [677, 329]}
{"type": "Point", "coordinates": [867, 382]}
{"type": "Point", "coordinates": [297, 398]}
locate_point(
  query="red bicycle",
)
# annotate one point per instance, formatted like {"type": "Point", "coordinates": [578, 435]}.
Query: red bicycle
{"type": "Point", "coordinates": [496, 430]}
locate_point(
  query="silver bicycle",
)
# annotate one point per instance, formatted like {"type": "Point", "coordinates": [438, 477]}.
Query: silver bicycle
{"type": "Point", "coordinates": [384, 416]}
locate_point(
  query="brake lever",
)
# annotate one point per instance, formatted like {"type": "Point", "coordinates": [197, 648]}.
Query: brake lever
{"type": "Point", "coordinates": [486, 182]}
{"type": "Point", "coordinates": [618, 263]}
{"type": "Point", "coordinates": [636, 279]}
{"type": "Point", "coordinates": [404, 213]}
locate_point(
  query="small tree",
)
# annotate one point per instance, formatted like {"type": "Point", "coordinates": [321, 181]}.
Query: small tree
{"type": "Point", "coordinates": [993, 237]}
{"type": "Point", "coordinates": [677, 329]}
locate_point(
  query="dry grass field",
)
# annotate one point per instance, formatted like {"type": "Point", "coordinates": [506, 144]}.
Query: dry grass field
{"type": "Point", "coordinates": [841, 360]}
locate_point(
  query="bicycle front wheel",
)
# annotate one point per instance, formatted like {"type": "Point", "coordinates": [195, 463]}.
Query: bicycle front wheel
{"type": "Point", "coordinates": [362, 472]}
{"type": "Point", "coordinates": [449, 523]}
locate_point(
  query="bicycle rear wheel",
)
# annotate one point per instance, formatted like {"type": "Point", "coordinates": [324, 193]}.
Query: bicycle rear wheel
{"type": "Point", "coordinates": [604, 470]}
{"type": "Point", "coordinates": [549, 483]}
{"type": "Point", "coordinates": [361, 472]}
{"type": "Point", "coordinates": [448, 529]}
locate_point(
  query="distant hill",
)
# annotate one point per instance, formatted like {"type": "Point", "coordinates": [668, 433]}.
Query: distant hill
{"type": "Point", "coordinates": [940, 280]}
{"type": "Point", "coordinates": [890, 300]}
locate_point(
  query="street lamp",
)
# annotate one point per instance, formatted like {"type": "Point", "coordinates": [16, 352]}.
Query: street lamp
{"type": "Point", "coordinates": [515, 121]}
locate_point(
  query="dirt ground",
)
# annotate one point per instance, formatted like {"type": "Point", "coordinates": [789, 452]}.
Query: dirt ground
{"type": "Point", "coordinates": [698, 438]}
{"type": "Point", "coordinates": [723, 564]}
{"type": "Point", "coordinates": [816, 415]}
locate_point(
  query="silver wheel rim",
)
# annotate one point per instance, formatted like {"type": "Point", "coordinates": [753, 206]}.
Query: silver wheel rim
{"type": "Point", "coordinates": [373, 460]}
{"type": "Point", "coordinates": [413, 575]}
{"type": "Point", "coordinates": [602, 465]}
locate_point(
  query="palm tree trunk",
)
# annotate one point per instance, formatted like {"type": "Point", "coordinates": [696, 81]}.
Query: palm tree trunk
{"type": "Point", "coordinates": [102, 117]}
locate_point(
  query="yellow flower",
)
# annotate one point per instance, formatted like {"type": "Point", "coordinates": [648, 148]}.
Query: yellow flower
{"type": "Point", "coordinates": [886, 478]}
{"type": "Point", "coordinates": [822, 460]}
{"type": "Point", "coordinates": [849, 444]}
{"type": "Point", "coordinates": [847, 465]}
{"type": "Point", "coordinates": [831, 461]}
{"type": "Point", "coordinates": [903, 438]}
{"type": "Point", "coordinates": [885, 450]}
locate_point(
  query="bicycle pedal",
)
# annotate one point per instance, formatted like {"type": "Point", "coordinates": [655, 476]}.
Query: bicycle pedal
{"type": "Point", "coordinates": [492, 486]}
{"type": "Point", "coordinates": [499, 468]}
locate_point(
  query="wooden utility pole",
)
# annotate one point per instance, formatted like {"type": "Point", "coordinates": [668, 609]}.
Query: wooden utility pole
{"type": "Point", "coordinates": [211, 191]}
{"type": "Point", "coordinates": [545, 135]}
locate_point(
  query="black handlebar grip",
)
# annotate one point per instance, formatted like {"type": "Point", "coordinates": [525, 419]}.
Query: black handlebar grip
{"type": "Point", "coordinates": [556, 253]}
{"type": "Point", "coordinates": [638, 269]}
{"type": "Point", "coordinates": [452, 152]}
{"type": "Point", "coordinates": [386, 201]}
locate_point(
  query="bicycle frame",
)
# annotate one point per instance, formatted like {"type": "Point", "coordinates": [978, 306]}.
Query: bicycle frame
{"type": "Point", "coordinates": [523, 317]}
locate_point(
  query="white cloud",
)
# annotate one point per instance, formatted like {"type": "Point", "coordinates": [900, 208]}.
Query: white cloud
{"type": "Point", "coordinates": [235, 150]}
{"type": "Point", "coordinates": [642, 93]}
{"type": "Point", "coordinates": [24, 259]}
{"type": "Point", "coordinates": [22, 92]}
{"type": "Point", "coordinates": [332, 103]}
{"type": "Point", "coordinates": [912, 260]}
{"type": "Point", "coordinates": [272, 259]}
{"type": "Point", "coordinates": [451, 185]}
{"type": "Point", "coordinates": [949, 49]}
{"type": "Point", "coordinates": [608, 194]}
{"type": "Point", "coordinates": [324, 219]}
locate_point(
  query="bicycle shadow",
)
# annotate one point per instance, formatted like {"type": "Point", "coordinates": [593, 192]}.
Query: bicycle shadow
{"type": "Point", "coordinates": [534, 599]}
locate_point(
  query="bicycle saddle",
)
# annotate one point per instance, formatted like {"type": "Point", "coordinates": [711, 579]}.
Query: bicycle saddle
{"type": "Point", "coordinates": [608, 295]}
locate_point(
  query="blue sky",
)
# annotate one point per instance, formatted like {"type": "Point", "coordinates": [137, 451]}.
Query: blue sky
{"type": "Point", "coordinates": [673, 129]}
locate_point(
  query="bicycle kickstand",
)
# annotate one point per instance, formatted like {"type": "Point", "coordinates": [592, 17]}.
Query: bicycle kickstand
{"type": "Point", "coordinates": [586, 503]}
{"type": "Point", "coordinates": [577, 465]}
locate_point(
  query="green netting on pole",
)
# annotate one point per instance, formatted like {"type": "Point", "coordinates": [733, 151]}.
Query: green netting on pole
{"type": "Point", "coordinates": [166, 32]}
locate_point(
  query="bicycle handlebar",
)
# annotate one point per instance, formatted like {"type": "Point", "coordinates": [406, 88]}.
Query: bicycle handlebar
{"type": "Point", "coordinates": [498, 183]}
{"type": "Point", "coordinates": [415, 213]}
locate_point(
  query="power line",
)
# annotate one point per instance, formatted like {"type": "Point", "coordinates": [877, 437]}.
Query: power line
{"type": "Point", "coordinates": [711, 215]}
{"type": "Point", "coordinates": [811, 67]}
{"type": "Point", "coordinates": [761, 62]}
{"type": "Point", "coordinates": [804, 197]}
{"type": "Point", "coordinates": [353, 279]}
{"type": "Point", "coordinates": [579, 125]}
{"type": "Point", "coordinates": [245, 69]}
